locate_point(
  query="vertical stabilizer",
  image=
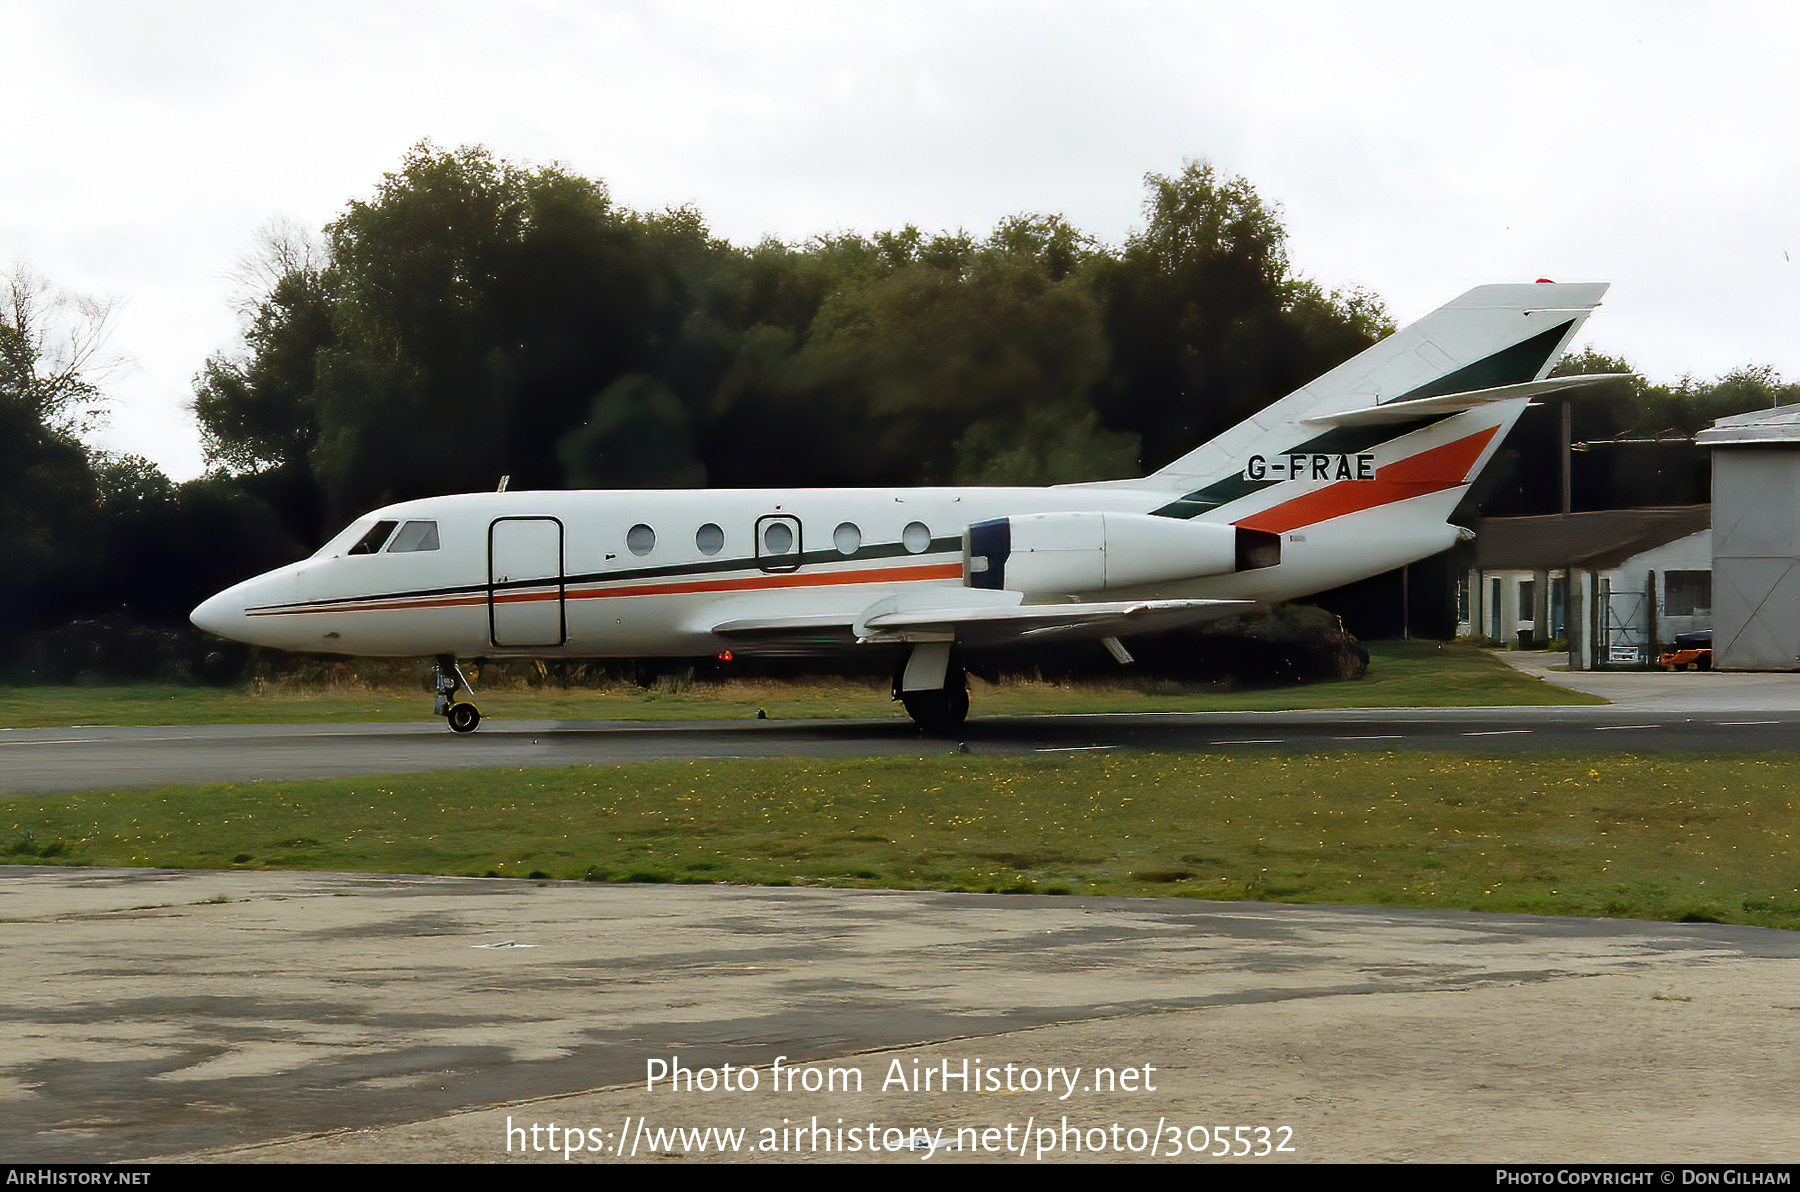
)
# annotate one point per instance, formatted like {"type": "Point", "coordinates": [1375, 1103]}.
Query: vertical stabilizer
{"type": "Point", "coordinates": [1491, 347]}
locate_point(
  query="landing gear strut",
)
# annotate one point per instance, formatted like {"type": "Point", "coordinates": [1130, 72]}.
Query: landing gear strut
{"type": "Point", "coordinates": [460, 711]}
{"type": "Point", "coordinates": [934, 689]}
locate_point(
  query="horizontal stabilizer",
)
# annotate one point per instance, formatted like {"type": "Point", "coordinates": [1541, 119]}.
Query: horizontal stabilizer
{"type": "Point", "coordinates": [1451, 403]}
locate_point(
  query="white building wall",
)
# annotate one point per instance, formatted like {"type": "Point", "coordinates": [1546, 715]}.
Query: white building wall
{"type": "Point", "coordinates": [1693, 553]}
{"type": "Point", "coordinates": [1514, 615]}
{"type": "Point", "coordinates": [1625, 622]}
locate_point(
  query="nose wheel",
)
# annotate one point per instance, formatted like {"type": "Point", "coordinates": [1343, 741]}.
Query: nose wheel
{"type": "Point", "coordinates": [453, 702]}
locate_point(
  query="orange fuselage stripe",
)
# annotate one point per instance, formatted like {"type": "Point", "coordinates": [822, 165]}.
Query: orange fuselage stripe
{"type": "Point", "coordinates": [874, 575]}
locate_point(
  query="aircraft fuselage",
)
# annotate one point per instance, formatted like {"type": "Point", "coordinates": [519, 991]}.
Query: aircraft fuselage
{"type": "Point", "coordinates": [652, 573]}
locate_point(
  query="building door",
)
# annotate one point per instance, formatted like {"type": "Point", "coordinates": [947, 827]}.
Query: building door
{"type": "Point", "coordinates": [1622, 633]}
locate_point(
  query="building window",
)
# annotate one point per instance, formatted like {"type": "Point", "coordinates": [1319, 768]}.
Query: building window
{"type": "Point", "coordinates": [1687, 593]}
{"type": "Point", "coordinates": [1527, 599]}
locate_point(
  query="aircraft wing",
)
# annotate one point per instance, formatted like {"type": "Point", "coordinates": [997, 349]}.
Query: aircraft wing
{"type": "Point", "coordinates": [982, 624]}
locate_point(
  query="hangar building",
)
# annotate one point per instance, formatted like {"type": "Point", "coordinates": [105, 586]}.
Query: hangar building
{"type": "Point", "coordinates": [1756, 540]}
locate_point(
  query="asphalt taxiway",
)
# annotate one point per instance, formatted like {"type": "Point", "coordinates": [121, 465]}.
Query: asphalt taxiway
{"type": "Point", "coordinates": [1705, 713]}
{"type": "Point", "coordinates": [43, 760]}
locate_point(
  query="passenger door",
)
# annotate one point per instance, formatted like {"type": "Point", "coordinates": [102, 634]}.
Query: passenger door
{"type": "Point", "coordinates": [525, 582]}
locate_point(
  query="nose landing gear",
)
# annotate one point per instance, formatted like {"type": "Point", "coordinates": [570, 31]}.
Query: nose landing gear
{"type": "Point", "coordinates": [464, 717]}
{"type": "Point", "coordinates": [461, 712]}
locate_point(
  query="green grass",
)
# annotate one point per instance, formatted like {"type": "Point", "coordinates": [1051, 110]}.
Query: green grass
{"type": "Point", "coordinates": [1660, 838]}
{"type": "Point", "coordinates": [1415, 674]}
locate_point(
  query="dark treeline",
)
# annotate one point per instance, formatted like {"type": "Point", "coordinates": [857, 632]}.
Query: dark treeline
{"type": "Point", "coordinates": [477, 318]}
{"type": "Point", "coordinates": [1633, 441]}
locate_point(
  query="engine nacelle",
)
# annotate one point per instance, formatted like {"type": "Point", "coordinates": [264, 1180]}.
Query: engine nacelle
{"type": "Point", "coordinates": [1053, 553]}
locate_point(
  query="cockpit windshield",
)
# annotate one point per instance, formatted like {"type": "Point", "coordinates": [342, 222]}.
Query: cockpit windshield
{"type": "Point", "coordinates": [371, 542]}
{"type": "Point", "coordinates": [389, 534]}
{"type": "Point", "coordinates": [415, 535]}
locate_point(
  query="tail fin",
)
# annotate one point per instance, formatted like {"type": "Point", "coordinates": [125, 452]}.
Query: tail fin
{"type": "Point", "coordinates": [1422, 410]}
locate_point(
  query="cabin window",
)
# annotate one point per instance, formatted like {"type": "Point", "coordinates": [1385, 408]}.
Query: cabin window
{"type": "Point", "coordinates": [371, 542]}
{"type": "Point", "coordinates": [846, 538]}
{"type": "Point", "coordinates": [414, 535]}
{"type": "Point", "coordinates": [640, 539]}
{"type": "Point", "coordinates": [710, 539]}
{"type": "Point", "coordinates": [778, 538]}
{"type": "Point", "coordinates": [915, 538]}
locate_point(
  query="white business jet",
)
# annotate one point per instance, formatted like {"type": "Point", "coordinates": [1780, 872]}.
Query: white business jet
{"type": "Point", "coordinates": [1351, 476]}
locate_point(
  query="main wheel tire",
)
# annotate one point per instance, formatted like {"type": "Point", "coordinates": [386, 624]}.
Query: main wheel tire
{"type": "Point", "coordinates": [464, 717]}
{"type": "Point", "coordinates": [942, 711]}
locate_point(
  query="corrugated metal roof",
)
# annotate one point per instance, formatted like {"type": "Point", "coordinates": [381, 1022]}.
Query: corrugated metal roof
{"type": "Point", "coordinates": [1602, 539]}
{"type": "Point", "coordinates": [1778, 427]}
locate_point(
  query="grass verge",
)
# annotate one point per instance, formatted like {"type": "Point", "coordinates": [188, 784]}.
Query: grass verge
{"type": "Point", "coordinates": [1401, 675]}
{"type": "Point", "coordinates": [1653, 837]}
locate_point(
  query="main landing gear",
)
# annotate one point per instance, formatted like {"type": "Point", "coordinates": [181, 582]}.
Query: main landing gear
{"type": "Point", "coordinates": [459, 710]}
{"type": "Point", "coordinates": [934, 689]}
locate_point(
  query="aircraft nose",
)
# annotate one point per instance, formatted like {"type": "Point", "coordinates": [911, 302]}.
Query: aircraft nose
{"type": "Point", "coordinates": [222, 614]}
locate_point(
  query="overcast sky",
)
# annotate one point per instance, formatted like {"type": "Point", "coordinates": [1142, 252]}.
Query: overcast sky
{"type": "Point", "coordinates": [1415, 150]}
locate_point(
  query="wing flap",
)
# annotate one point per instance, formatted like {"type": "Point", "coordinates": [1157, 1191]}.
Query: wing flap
{"type": "Point", "coordinates": [1029, 622]}
{"type": "Point", "coordinates": [982, 624]}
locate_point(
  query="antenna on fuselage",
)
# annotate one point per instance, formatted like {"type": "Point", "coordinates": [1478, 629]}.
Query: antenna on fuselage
{"type": "Point", "coordinates": [504, 481]}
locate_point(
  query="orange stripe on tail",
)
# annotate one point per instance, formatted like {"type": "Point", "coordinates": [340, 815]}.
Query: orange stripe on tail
{"type": "Point", "coordinates": [1415, 476]}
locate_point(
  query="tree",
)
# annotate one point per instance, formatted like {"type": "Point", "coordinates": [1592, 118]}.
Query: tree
{"type": "Point", "coordinates": [637, 435]}
{"type": "Point", "coordinates": [502, 319]}
{"type": "Point", "coordinates": [1206, 322]}
{"type": "Point", "coordinates": [52, 362]}
{"type": "Point", "coordinates": [129, 484]}
{"type": "Point", "coordinates": [1048, 242]}
{"type": "Point", "coordinates": [257, 411]}
{"type": "Point", "coordinates": [480, 309]}
{"type": "Point", "coordinates": [906, 353]}
{"type": "Point", "coordinates": [1045, 445]}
